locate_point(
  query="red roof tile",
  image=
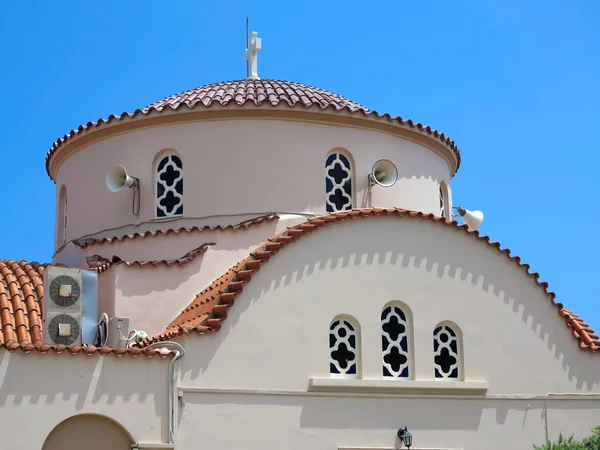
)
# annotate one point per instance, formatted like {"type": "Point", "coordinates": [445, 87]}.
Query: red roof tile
{"type": "Point", "coordinates": [257, 92]}
{"type": "Point", "coordinates": [21, 300]}
{"type": "Point", "coordinates": [21, 292]}
{"type": "Point", "coordinates": [206, 312]}
{"type": "Point", "coordinates": [103, 264]}
{"type": "Point", "coordinates": [275, 93]}
{"type": "Point", "coordinates": [83, 243]}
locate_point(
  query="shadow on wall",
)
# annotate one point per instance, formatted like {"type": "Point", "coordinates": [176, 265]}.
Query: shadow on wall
{"type": "Point", "coordinates": [367, 198]}
{"type": "Point", "coordinates": [481, 266]}
{"type": "Point", "coordinates": [354, 418]}
{"type": "Point", "coordinates": [78, 381]}
{"type": "Point", "coordinates": [382, 413]}
{"type": "Point", "coordinates": [136, 281]}
{"type": "Point", "coordinates": [225, 251]}
{"type": "Point", "coordinates": [177, 243]}
{"type": "Point", "coordinates": [363, 412]}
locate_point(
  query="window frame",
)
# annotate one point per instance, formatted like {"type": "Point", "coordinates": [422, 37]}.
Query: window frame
{"type": "Point", "coordinates": [178, 210]}
{"type": "Point", "coordinates": [344, 320]}
{"type": "Point", "coordinates": [338, 153]}
{"type": "Point", "coordinates": [408, 336]}
{"type": "Point", "coordinates": [458, 351]}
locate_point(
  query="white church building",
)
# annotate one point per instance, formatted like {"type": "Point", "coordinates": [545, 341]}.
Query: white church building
{"type": "Point", "coordinates": [322, 297]}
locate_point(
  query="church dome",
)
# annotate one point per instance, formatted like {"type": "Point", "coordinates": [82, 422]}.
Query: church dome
{"type": "Point", "coordinates": [257, 92]}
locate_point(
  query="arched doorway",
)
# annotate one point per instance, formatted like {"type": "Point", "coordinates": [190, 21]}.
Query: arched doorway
{"type": "Point", "coordinates": [90, 432]}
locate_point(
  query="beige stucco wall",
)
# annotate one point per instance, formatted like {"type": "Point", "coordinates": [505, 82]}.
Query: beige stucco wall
{"type": "Point", "coordinates": [152, 296]}
{"type": "Point", "coordinates": [276, 338]}
{"type": "Point", "coordinates": [247, 386]}
{"type": "Point", "coordinates": [233, 167]}
{"type": "Point", "coordinates": [255, 421]}
{"type": "Point", "coordinates": [38, 392]}
{"type": "Point", "coordinates": [175, 245]}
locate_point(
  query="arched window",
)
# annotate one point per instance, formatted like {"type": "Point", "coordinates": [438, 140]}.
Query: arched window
{"type": "Point", "coordinates": [442, 203]}
{"type": "Point", "coordinates": [338, 182]}
{"type": "Point", "coordinates": [395, 341]}
{"type": "Point", "coordinates": [169, 185]}
{"type": "Point", "coordinates": [343, 348]}
{"type": "Point", "coordinates": [444, 200]}
{"type": "Point", "coordinates": [446, 351]}
{"type": "Point", "coordinates": [62, 216]}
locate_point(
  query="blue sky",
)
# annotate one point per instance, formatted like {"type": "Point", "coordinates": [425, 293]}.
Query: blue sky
{"type": "Point", "coordinates": [514, 83]}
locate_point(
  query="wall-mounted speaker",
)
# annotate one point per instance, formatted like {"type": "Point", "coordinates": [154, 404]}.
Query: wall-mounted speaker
{"type": "Point", "coordinates": [117, 178]}
{"type": "Point", "coordinates": [384, 173]}
{"type": "Point", "coordinates": [472, 219]}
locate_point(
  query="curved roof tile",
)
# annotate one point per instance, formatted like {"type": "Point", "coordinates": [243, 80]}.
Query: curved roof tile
{"type": "Point", "coordinates": [257, 92]}
{"type": "Point", "coordinates": [206, 312]}
{"type": "Point", "coordinates": [275, 93]}
{"type": "Point", "coordinates": [21, 292]}
{"type": "Point", "coordinates": [85, 242]}
{"type": "Point", "coordinates": [103, 264]}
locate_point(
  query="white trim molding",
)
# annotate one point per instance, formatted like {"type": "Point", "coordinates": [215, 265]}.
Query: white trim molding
{"type": "Point", "coordinates": [141, 446]}
{"type": "Point", "coordinates": [393, 386]}
{"type": "Point", "coordinates": [396, 448]}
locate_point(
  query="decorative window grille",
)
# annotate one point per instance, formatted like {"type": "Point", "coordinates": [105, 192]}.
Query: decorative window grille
{"type": "Point", "coordinates": [343, 349]}
{"type": "Point", "coordinates": [338, 183]}
{"type": "Point", "coordinates": [445, 352]}
{"type": "Point", "coordinates": [169, 186]}
{"type": "Point", "coordinates": [394, 336]}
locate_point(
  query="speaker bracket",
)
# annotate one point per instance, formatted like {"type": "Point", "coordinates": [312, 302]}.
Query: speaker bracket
{"type": "Point", "coordinates": [371, 179]}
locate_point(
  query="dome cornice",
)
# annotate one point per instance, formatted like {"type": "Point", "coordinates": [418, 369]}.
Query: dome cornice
{"type": "Point", "coordinates": [267, 99]}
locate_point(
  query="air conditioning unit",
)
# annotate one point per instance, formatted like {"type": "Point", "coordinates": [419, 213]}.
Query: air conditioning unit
{"type": "Point", "coordinates": [118, 332]}
{"type": "Point", "coordinates": [70, 306]}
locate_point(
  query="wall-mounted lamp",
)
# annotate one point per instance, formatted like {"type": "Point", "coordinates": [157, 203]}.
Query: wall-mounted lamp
{"type": "Point", "coordinates": [405, 436]}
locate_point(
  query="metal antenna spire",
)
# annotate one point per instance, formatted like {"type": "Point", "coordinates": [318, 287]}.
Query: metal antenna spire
{"type": "Point", "coordinates": [253, 45]}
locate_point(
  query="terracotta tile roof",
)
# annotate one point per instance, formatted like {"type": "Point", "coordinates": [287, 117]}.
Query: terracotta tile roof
{"type": "Point", "coordinates": [103, 264]}
{"type": "Point", "coordinates": [21, 300]}
{"type": "Point", "coordinates": [86, 242]}
{"type": "Point", "coordinates": [206, 312]}
{"type": "Point", "coordinates": [21, 292]}
{"type": "Point", "coordinates": [257, 92]}
{"type": "Point", "coordinates": [276, 93]}
{"type": "Point", "coordinates": [89, 350]}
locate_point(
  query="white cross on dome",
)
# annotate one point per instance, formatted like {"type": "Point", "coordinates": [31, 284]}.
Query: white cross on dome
{"type": "Point", "coordinates": [254, 45]}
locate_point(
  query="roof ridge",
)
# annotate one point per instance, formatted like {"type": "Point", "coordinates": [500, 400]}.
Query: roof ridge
{"type": "Point", "coordinates": [86, 350]}
{"type": "Point", "coordinates": [86, 242]}
{"type": "Point", "coordinates": [255, 82]}
{"type": "Point", "coordinates": [223, 297]}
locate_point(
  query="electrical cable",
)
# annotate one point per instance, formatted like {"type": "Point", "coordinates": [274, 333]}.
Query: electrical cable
{"type": "Point", "coordinates": [103, 335]}
{"type": "Point", "coordinates": [178, 354]}
{"type": "Point", "coordinates": [130, 337]}
{"type": "Point", "coordinates": [136, 194]}
{"type": "Point", "coordinates": [179, 218]}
